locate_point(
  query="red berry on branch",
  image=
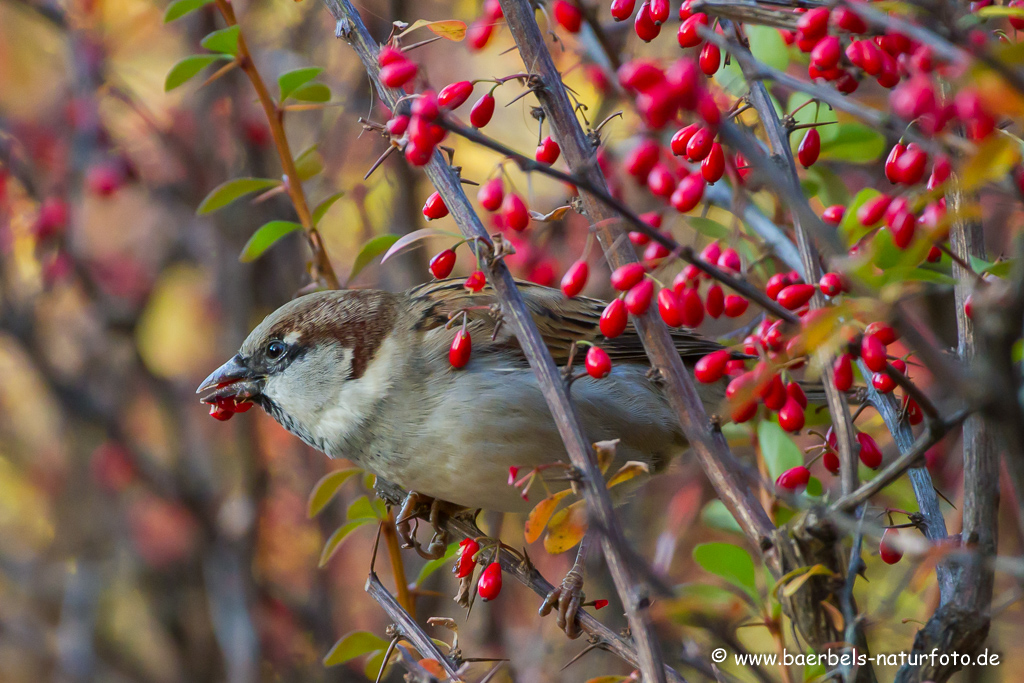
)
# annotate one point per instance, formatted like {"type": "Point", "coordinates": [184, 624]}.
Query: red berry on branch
{"type": "Point", "coordinates": [903, 226]}
{"type": "Point", "coordinates": [773, 393]}
{"type": "Point", "coordinates": [434, 207]}
{"type": "Point", "coordinates": [848, 20]}
{"type": "Point", "coordinates": [442, 264]}
{"type": "Point", "coordinates": [613, 319]}
{"type": "Point", "coordinates": [688, 193]}
{"type": "Point", "coordinates": [810, 147]}
{"type": "Point", "coordinates": [419, 154]}
{"type": "Point", "coordinates": [514, 212]}
{"type": "Point", "coordinates": [655, 251]}
{"type": "Point", "coordinates": [791, 416]}
{"type": "Point", "coordinates": [681, 138]}
{"type": "Point", "coordinates": [454, 94]}
{"type": "Point", "coordinates": [398, 73]}
{"type": "Point", "coordinates": [397, 125]}
{"type": "Point", "coordinates": [627, 276]}
{"type": "Point", "coordinates": [476, 281]}
{"type": "Point", "coordinates": [465, 564]}
{"type": "Point", "coordinates": [661, 181]}
{"type": "Point", "coordinates": [688, 35]}
{"type": "Point", "coordinates": [715, 301]}
{"type": "Point", "coordinates": [842, 369]}
{"type": "Point", "coordinates": [548, 151]}
{"type": "Point", "coordinates": [735, 306]}
{"type": "Point", "coordinates": [794, 480]}
{"type": "Point", "coordinates": [622, 9]}
{"type": "Point", "coordinates": [646, 29]}
{"type": "Point", "coordinates": [911, 164]}
{"type": "Point", "coordinates": [831, 284]}
{"type": "Point", "coordinates": [890, 162]}
{"type": "Point", "coordinates": [713, 166]}
{"type": "Point", "coordinates": [872, 352]}
{"type": "Point", "coordinates": [870, 453]}
{"type": "Point", "coordinates": [638, 298]}
{"type": "Point", "coordinates": [670, 307]}
{"type": "Point", "coordinates": [730, 260]}
{"type": "Point", "coordinates": [692, 307]}
{"type": "Point", "coordinates": [462, 347]}
{"type": "Point", "coordinates": [481, 113]}
{"type": "Point", "coordinates": [641, 159]}
{"type": "Point", "coordinates": [575, 278]}
{"type": "Point", "coordinates": [711, 368]}
{"type": "Point", "coordinates": [969, 306]}
{"type": "Point", "coordinates": [826, 53]}
{"type": "Point", "coordinates": [597, 362]}
{"type": "Point", "coordinates": [659, 11]}
{"type": "Point", "coordinates": [831, 461]}
{"type": "Point", "coordinates": [796, 392]}
{"type": "Point", "coordinates": [489, 585]}
{"type": "Point", "coordinates": [871, 211]}
{"type": "Point", "coordinates": [699, 144]}
{"type": "Point", "coordinates": [568, 15]}
{"type": "Point", "coordinates": [833, 215]}
{"type": "Point", "coordinates": [710, 59]}
{"type": "Point", "coordinates": [491, 193]}
{"type": "Point", "coordinates": [793, 297]}
{"type": "Point", "coordinates": [887, 548]}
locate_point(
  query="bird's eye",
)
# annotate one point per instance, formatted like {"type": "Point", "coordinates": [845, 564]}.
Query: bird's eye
{"type": "Point", "coordinates": [275, 350]}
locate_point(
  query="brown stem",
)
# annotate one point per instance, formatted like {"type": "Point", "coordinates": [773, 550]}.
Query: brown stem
{"type": "Point", "coordinates": [405, 598]}
{"type": "Point", "coordinates": [321, 268]}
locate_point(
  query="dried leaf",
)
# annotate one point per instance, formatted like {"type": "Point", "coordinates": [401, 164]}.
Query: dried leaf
{"type": "Point", "coordinates": [451, 29]}
{"type": "Point", "coordinates": [541, 514]}
{"type": "Point", "coordinates": [795, 584]}
{"type": "Point", "coordinates": [630, 470]}
{"type": "Point", "coordinates": [835, 615]}
{"type": "Point", "coordinates": [605, 453]}
{"type": "Point", "coordinates": [550, 217]}
{"type": "Point", "coordinates": [566, 528]}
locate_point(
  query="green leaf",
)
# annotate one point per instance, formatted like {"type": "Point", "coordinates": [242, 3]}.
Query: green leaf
{"type": "Point", "coordinates": [223, 40]}
{"type": "Point", "coordinates": [433, 565]}
{"type": "Point", "coordinates": [295, 78]}
{"type": "Point", "coordinates": [229, 191]}
{"type": "Point", "coordinates": [999, 11]}
{"type": "Point", "coordinates": [1001, 269]}
{"type": "Point", "coordinates": [187, 68]}
{"type": "Point", "coordinates": [362, 508]}
{"type": "Point", "coordinates": [768, 46]}
{"type": "Point", "coordinates": [851, 227]}
{"type": "Point", "coordinates": [717, 516]}
{"type": "Point", "coordinates": [779, 451]}
{"type": "Point", "coordinates": [853, 142]}
{"type": "Point", "coordinates": [371, 250]}
{"type": "Point", "coordinates": [355, 644]}
{"type": "Point", "coordinates": [729, 562]}
{"type": "Point", "coordinates": [265, 237]}
{"type": "Point", "coordinates": [339, 535]}
{"type": "Point", "coordinates": [325, 489]}
{"type": "Point", "coordinates": [312, 92]}
{"type": "Point", "coordinates": [709, 228]}
{"type": "Point", "coordinates": [325, 206]}
{"type": "Point", "coordinates": [309, 163]}
{"type": "Point", "coordinates": [180, 8]}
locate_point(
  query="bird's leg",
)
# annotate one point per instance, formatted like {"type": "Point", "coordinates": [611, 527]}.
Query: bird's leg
{"type": "Point", "coordinates": [569, 596]}
{"type": "Point", "coordinates": [410, 510]}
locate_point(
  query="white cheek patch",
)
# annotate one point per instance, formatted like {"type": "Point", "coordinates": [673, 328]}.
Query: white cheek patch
{"type": "Point", "coordinates": [292, 338]}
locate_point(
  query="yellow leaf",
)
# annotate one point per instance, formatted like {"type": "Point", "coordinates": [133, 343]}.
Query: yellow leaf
{"type": "Point", "coordinates": [793, 586]}
{"type": "Point", "coordinates": [325, 489]}
{"type": "Point", "coordinates": [631, 469]}
{"type": "Point", "coordinates": [994, 159]}
{"type": "Point", "coordinates": [451, 29]}
{"type": "Point", "coordinates": [605, 453]}
{"type": "Point", "coordinates": [566, 528]}
{"type": "Point", "coordinates": [540, 514]}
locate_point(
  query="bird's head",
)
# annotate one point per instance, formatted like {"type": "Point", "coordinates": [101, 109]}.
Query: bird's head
{"type": "Point", "coordinates": [310, 360]}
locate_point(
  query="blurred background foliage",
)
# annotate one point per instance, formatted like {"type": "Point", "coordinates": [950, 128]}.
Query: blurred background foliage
{"type": "Point", "coordinates": [142, 541]}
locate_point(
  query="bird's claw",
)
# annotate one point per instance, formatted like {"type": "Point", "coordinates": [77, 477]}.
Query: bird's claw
{"type": "Point", "coordinates": [568, 597]}
{"type": "Point", "coordinates": [411, 510]}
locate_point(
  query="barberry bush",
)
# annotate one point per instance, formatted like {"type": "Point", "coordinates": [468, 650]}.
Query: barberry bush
{"type": "Point", "coordinates": [832, 190]}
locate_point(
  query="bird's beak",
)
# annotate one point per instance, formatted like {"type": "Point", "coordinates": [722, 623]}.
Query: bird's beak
{"type": "Point", "coordinates": [233, 379]}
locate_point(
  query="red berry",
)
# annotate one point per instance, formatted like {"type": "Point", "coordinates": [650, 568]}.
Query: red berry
{"type": "Point", "coordinates": [627, 276]}
{"type": "Point", "coordinates": [713, 166]}
{"type": "Point", "coordinates": [810, 148]}
{"type": "Point", "coordinates": [872, 352]}
{"type": "Point", "coordinates": [870, 453]}
{"type": "Point", "coordinates": [688, 193]}
{"type": "Point", "coordinates": [711, 253]}
{"type": "Point", "coordinates": [794, 480]}
{"type": "Point", "coordinates": [913, 411]}
{"type": "Point", "coordinates": [641, 159]}
{"type": "Point", "coordinates": [882, 382]}
{"type": "Point", "coordinates": [710, 59]}
{"type": "Point", "coordinates": [848, 20]}
{"type": "Point", "coordinates": [715, 301]}
{"type": "Point", "coordinates": [791, 416]}
{"type": "Point", "coordinates": [692, 307]}
{"type": "Point", "coordinates": [442, 264]}
{"type": "Point", "coordinates": [890, 162]}
{"type": "Point", "coordinates": [597, 362]}
{"type": "Point", "coordinates": [455, 94]}
{"type": "Point", "coordinates": [887, 549]}
{"type": "Point", "coordinates": [833, 215]}
{"type": "Point", "coordinates": [826, 53]}
{"type": "Point", "coordinates": [465, 565]}
{"type": "Point", "coordinates": [659, 11]}
{"type": "Point", "coordinates": [575, 278]}
{"type": "Point", "coordinates": [568, 15]}
{"type": "Point", "coordinates": [776, 283]}
{"type": "Point", "coordinates": [902, 227]}
{"type": "Point", "coordinates": [490, 582]}
{"type": "Point", "coordinates": [871, 211]}
{"type": "Point", "coordinates": [418, 154]}
{"type": "Point", "coordinates": [655, 251]}
{"type": "Point", "coordinates": [795, 296]}
{"type": "Point", "coordinates": [884, 332]}
{"type": "Point", "coordinates": [813, 23]}
{"type": "Point", "coordinates": [104, 179]}
{"type": "Point", "coordinates": [670, 307]}
{"type": "Point", "coordinates": [796, 392]}
{"type": "Point", "coordinates": [842, 368]}
{"type": "Point", "coordinates": [773, 393]}
{"type": "Point", "coordinates": [481, 113]}
{"type": "Point", "coordinates": [910, 165]}
{"type": "Point", "coordinates": [434, 207]}
{"type": "Point", "coordinates": [688, 35]}
{"type": "Point", "coordinates": [547, 151]}
{"type": "Point", "coordinates": [934, 254]}
{"type": "Point", "coordinates": [479, 34]}
{"type": "Point", "coordinates": [476, 281]}
{"type": "Point", "coordinates": [644, 25]}
{"type": "Point", "coordinates": [491, 193]}
{"type": "Point", "coordinates": [730, 260]}
{"type": "Point", "coordinates": [397, 125]}
{"type": "Point", "coordinates": [52, 219]}
{"type": "Point", "coordinates": [514, 212]}
{"type": "Point", "coordinates": [613, 319]}
{"type": "Point", "coordinates": [638, 298]}
{"type": "Point", "coordinates": [735, 306]}
{"type": "Point", "coordinates": [699, 144]}
{"type": "Point", "coordinates": [681, 138]}
{"type": "Point", "coordinates": [711, 367]}
{"type": "Point", "coordinates": [398, 73]}
{"type": "Point", "coordinates": [831, 284]}
{"type": "Point", "coordinates": [622, 9]}
{"type": "Point", "coordinates": [223, 410]}
{"type": "Point", "coordinates": [661, 181]}
{"type": "Point", "coordinates": [462, 346]}
{"type": "Point", "coordinates": [969, 306]}
{"type": "Point", "coordinates": [831, 461]}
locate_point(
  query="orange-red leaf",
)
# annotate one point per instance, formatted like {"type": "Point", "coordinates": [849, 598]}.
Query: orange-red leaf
{"type": "Point", "coordinates": [541, 514]}
{"type": "Point", "coordinates": [566, 528]}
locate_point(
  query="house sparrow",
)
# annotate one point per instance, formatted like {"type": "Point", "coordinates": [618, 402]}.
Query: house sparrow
{"type": "Point", "coordinates": [365, 375]}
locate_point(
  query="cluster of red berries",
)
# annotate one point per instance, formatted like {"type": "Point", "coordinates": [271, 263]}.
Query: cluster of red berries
{"type": "Point", "coordinates": [224, 409]}
{"type": "Point", "coordinates": [395, 68]}
{"type": "Point", "coordinates": [489, 584]}
{"type": "Point", "coordinates": [795, 479]}
{"type": "Point", "coordinates": [662, 94]}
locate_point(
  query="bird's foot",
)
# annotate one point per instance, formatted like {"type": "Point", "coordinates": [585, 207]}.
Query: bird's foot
{"type": "Point", "coordinates": [567, 598]}
{"type": "Point", "coordinates": [413, 509]}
